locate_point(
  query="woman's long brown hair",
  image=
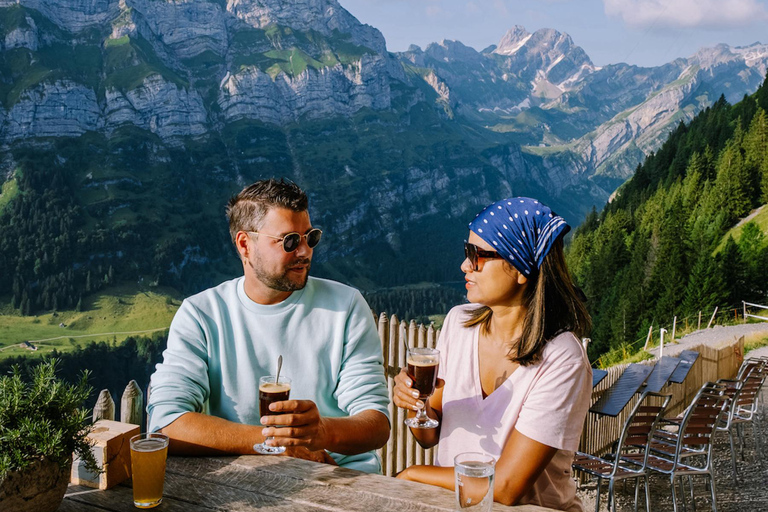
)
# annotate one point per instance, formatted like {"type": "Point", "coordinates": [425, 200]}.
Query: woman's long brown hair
{"type": "Point", "coordinates": [554, 306]}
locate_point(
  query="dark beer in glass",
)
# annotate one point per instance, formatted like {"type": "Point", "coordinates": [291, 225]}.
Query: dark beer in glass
{"type": "Point", "coordinates": [422, 369]}
{"type": "Point", "coordinates": [271, 391]}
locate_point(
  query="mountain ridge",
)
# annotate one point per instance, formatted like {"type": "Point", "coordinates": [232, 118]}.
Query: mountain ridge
{"type": "Point", "coordinates": [123, 139]}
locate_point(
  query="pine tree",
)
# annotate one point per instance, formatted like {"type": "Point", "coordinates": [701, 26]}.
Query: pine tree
{"type": "Point", "coordinates": [752, 245]}
{"type": "Point", "coordinates": [731, 267]}
{"type": "Point", "coordinates": [733, 182]}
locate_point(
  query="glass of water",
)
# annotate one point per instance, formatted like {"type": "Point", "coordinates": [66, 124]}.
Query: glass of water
{"type": "Point", "coordinates": [474, 481]}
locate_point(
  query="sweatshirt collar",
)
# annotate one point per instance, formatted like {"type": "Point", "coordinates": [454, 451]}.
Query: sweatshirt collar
{"type": "Point", "coordinates": [268, 309]}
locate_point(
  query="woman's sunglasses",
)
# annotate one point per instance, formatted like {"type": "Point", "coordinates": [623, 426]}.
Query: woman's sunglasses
{"type": "Point", "coordinates": [291, 241]}
{"type": "Point", "coordinates": [473, 253]}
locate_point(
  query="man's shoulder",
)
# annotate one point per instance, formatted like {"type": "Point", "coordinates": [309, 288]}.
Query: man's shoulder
{"type": "Point", "coordinates": [331, 288]}
{"type": "Point", "coordinates": [219, 294]}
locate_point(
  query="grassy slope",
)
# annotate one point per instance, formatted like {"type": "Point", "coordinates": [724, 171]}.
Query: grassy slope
{"type": "Point", "coordinates": [125, 308]}
{"type": "Point", "coordinates": [761, 219]}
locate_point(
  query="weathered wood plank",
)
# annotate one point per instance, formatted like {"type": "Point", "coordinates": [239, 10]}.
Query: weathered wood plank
{"type": "Point", "coordinates": [117, 499]}
{"type": "Point", "coordinates": [309, 483]}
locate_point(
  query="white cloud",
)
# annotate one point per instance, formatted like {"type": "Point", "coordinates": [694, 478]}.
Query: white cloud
{"type": "Point", "coordinates": [659, 14]}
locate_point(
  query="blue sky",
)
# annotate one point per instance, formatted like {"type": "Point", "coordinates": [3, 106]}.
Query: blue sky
{"type": "Point", "coordinates": [642, 32]}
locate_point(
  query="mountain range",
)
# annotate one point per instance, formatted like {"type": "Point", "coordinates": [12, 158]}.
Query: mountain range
{"type": "Point", "coordinates": [154, 112]}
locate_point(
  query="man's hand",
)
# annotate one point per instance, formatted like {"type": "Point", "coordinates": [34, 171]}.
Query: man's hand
{"type": "Point", "coordinates": [302, 453]}
{"type": "Point", "coordinates": [298, 424]}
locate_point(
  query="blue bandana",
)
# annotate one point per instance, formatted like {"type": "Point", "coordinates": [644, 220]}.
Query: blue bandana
{"type": "Point", "coordinates": [521, 229]}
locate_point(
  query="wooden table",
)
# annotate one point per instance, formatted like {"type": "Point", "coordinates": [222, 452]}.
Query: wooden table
{"type": "Point", "coordinates": [270, 484]}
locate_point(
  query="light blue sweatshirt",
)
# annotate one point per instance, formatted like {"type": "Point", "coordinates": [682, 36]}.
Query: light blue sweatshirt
{"type": "Point", "coordinates": [221, 342]}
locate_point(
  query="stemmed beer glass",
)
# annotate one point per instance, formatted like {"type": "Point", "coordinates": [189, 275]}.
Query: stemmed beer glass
{"type": "Point", "coordinates": [422, 369]}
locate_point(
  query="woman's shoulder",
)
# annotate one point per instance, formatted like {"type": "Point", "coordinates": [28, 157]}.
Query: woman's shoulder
{"type": "Point", "coordinates": [564, 349]}
{"type": "Point", "coordinates": [458, 315]}
{"type": "Point", "coordinates": [453, 325]}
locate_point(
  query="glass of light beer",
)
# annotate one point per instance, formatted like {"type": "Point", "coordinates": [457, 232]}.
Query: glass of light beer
{"type": "Point", "coordinates": [422, 369]}
{"type": "Point", "coordinates": [148, 454]}
{"type": "Point", "coordinates": [271, 390]}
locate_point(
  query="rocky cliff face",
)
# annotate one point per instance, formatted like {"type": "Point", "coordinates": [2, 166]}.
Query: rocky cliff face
{"type": "Point", "coordinates": [184, 68]}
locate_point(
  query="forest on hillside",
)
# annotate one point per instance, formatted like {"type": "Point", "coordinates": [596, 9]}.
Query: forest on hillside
{"type": "Point", "coordinates": [658, 249]}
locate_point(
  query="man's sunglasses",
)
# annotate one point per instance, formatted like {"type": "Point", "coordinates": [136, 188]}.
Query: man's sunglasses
{"type": "Point", "coordinates": [291, 241]}
{"type": "Point", "coordinates": [473, 253]}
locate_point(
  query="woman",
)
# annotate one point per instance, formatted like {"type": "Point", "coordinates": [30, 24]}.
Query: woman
{"type": "Point", "coordinates": [515, 381]}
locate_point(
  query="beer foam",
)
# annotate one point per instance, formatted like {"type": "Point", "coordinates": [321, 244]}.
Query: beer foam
{"type": "Point", "coordinates": [423, 361]}
{"type": "Point", "coordinates": [148, 445]}
{"type": "Point", "coordinates": [271, 387]}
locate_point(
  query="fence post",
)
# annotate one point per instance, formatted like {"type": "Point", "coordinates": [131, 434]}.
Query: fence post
{"type": "Point", "coordinates": [699, 326]}
{"type": "Point", "coordinates": [661, 342]}
{"type": "Point", "coordinates": [674, 328]}
{"type": "Point", "coordinates": [132, 404]}
{"type": "Point", "coordinates": [713, 317]}
{"type": "Point", "coordinates": [384, 336]}
{"type": "Point", "coordinates": [402, 439]}
{"type": "Point", "coordinates": [104, 408]}
{"type": "Point", "coordinates": [744, 305]}
{"type": "Point", "coordinates": [648, 339]}
{"type": "Point", "coordinates": [396, 414]}
{"type": "Point", "coordinates": [431, 340]}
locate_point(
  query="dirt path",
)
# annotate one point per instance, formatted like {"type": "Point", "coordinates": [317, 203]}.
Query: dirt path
{"type": "Point", "coordinates": [712, 336]}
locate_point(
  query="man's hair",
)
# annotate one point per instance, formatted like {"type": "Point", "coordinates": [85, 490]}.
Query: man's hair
{"type": "Point", "coordinates": [247, 210]}
{"type": "Point", "coordinates": [554, 303]}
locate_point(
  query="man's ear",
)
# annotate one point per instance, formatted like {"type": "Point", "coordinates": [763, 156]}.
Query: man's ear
{"type": "Point", "coordinates": [241, 244]}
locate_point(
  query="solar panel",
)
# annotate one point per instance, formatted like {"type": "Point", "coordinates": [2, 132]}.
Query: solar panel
{"type": "Point", "coordinates": [618, 396]}
{"type": "Point", "coordinates": [687, 358]}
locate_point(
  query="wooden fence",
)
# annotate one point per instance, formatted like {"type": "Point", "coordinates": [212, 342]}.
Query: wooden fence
{"type": "Point", "coordinates": [402, 450]}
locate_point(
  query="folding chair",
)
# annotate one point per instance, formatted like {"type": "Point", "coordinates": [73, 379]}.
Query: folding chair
{"type": "Point", "coordinates": [637, 430]}
{"type": "Point", "coordinates": [694, 437]}
{"type": "Point", "coordinates": [752, 374]}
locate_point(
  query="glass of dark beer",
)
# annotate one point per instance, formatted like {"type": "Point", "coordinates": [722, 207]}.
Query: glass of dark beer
{"type": "Point", "coordinates": [271, 390]}
{"type": "Point", "coordinates": [422, 369]}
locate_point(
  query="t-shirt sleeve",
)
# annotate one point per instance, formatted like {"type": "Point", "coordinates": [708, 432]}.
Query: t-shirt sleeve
{"type": "Point", "coordinates": [554, 410]}
{"type": "Point", "coordinates": [180, 383]}
{"type": "Point", "coordinates": [361, 385]}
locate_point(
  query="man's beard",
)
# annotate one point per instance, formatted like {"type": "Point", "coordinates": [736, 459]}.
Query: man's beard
{"type": "Point", "coordinates": [282, 281]}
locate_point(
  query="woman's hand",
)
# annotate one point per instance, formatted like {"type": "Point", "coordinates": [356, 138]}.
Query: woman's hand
{"type": "Point", "coordinates": [405, 396]}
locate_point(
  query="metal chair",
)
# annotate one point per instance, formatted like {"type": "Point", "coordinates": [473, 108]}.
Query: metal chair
{"type": "Point", "coordinates": [694, 437]}
{"type": "Point", "coordinates": [752, 374]}
{"type": "Point", "coordinates": [637, 430]}
{"type": "Point", "coordinates": [663, 441]}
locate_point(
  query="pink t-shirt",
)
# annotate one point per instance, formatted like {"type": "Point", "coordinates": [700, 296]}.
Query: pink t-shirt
{"type": "Point", "coordinates": [546, 402]}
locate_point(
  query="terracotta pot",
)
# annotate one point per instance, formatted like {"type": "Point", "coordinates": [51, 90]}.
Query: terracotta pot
{"type": "Point", "coordinates": [38, 488]}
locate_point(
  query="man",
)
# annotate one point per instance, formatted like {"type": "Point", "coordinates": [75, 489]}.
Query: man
{"type": "Point", "coordinates": [204, 395]}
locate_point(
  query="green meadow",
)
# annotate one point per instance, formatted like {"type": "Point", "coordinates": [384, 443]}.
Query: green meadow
{"type": "Point", "coordinates": [110, 316]}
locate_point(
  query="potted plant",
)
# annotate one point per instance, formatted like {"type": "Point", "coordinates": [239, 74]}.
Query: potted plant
{"type": "Point", "coordinates": [42, 423]}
